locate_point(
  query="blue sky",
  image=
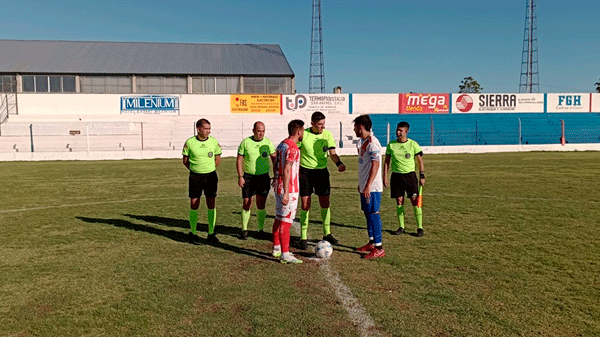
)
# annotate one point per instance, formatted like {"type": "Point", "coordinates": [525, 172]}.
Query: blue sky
{"type": "Point", "coordinates": [369, 46]}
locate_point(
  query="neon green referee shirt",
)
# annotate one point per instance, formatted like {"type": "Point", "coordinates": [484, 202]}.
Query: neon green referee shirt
{"type": "Point", "coordinates": [256, 155]}
{"type": "Point", "coordinates": [402, 155]}
{"type": "Point", "coordinates": [202, 154]}
{"type": "Point", "coordinates": [314, 149]}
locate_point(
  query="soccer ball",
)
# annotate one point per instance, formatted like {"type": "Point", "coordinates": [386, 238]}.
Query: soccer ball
{"type": "Point", "coordinates": [323, 249]}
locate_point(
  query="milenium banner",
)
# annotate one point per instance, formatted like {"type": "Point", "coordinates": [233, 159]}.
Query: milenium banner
{"type": "Point", "coordinates": [150, 104]}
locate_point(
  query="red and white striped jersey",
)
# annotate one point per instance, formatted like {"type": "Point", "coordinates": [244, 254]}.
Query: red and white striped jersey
{"type": "Point", "coordinates": [287, 151]}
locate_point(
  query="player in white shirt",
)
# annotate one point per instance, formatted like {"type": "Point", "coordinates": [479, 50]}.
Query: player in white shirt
{"type": "Point", "coordinates": [370, 184]}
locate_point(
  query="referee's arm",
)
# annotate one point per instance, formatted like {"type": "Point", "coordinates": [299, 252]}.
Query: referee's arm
{"type": "Point", "coordinates": [186, 161]}
{"type": "Point", "coordinates": [336, 159]}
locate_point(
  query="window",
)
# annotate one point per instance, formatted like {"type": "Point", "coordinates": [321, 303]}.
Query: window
{"type": "Point", "coordinates": [8, 83]}
{"type": "Point", "coordinates": [44, 83]}
{"type": "Point", "coordinates": [105, 84]}
{"type": "Point", "coordinates": [215, 85]}
{"type": "Point", "coordinates": [268, 85]}
{"type": "Point", "coordinates": [161, 85]}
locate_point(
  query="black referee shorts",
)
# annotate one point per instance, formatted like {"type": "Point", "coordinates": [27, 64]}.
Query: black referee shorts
{"type": "Point", "coordinates": [256, 185]}
{"type": "Point", "coordinates": [203, 182]}
{"type": "Point", "coordinates": [402, 183]}
{"type": "Point", "coordinates": [314, 180]}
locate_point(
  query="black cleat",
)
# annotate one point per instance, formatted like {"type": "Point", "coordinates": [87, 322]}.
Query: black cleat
{"type": "Point", "coordinates": [243, 235]}
{"type": "Point", "coordinates": [420, 232]}
{"type": "Point", "coordinates": [212, 238]}
{"type": "Point", "coordinates": [304, 244]}
{"type": "Point", "coordinates": [193, 238]}
{"type": "Point", "coordinates": [331, 239]}
{"type": "Point", "coordinates": [399, 231]}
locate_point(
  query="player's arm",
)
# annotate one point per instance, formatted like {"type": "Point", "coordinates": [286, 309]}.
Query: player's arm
{"type": "Point", "coordinates": [419, 157]}
{"type": "Point", "coordinates": [336, 159]}
{"type": "Point", "coordinates": [186, 161]}
{"type": "Point", "coordinates": [287, 175]}
{"type": "Point", "coordinates": [217, 160]}
{"type": "Point", "coordinates": [239, 163]}
{"type": "Point", "coordinates": [386, 168]}
{"type": "Point", "coordinates": [372, 174]}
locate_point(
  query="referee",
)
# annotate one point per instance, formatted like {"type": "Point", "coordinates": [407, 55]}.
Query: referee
{"type": "Point", "coordinates": [253, 176]}
{"type": "Point", "coordinates": [202, 155]}
{"type": "Point", "coordinates": [317, 144]}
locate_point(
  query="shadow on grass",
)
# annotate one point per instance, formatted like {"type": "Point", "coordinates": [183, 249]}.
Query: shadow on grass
{"type": "Point", "coordinates": [178, 236]}
{"type": "Point", "coordinates": [318, 222]}
{"type": "Point", "coordinates": [391, 232]}
{"type": "Point", "coordinates": [219, 229]}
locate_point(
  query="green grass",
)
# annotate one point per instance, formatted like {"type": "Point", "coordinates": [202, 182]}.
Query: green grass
{"type": "Point", "coordinates": [511, 248]}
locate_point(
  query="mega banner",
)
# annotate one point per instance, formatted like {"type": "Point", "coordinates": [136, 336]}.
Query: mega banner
{"type": "Point", "coordinates": [309, 103]}
{"type": "Point", "coordinates": [424, 103]}
{"type": "Point", "coordinates": [255, 103]}
{"type": "Point", "coordinates": [503, 103]}
{"type": "Point", "coordinates": [569, 102]}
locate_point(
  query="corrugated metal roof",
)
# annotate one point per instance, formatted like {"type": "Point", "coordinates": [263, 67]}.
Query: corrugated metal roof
{"type": "Point", "coordinates": [75, 57]}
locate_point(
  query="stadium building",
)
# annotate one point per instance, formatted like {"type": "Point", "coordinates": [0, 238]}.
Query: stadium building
{"type": "Point", "coordinates": [142, 68]}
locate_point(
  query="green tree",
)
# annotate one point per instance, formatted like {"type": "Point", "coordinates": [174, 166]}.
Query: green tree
{"type": "Point", "coordinates": [597, 86]}
{"type": "Point", "coordinates": [469, 85]}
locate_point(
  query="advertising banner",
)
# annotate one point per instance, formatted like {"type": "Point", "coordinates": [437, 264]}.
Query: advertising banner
{"type": "Point", "coordinates": [309, 103]}
{"type": "Point", "coordinates": [501, 103]}
{"type": "Point", "coordinates": [150, 104]}
{"type": "Point", "coordinates": [595, 103]}
{"type": "Point", "coordinates": [374, 104]}
{"type": "Point", "coordinates": [424, 103]}
{"type": "Point", "coordinates": [568, 102]}
{"type": "Point", "coordinates": [255, 103]}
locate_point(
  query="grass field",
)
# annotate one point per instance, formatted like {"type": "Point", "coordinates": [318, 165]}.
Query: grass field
{"type": "Point", "coordinates": [511, 248]}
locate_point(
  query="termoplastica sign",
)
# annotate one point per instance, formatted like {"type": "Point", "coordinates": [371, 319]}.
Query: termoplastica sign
{"type": "Point", "coordinates": [150, 104]}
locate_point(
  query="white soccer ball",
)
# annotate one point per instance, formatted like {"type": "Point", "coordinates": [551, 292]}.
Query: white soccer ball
{"type": "Point", "coordinates": [323, 249]}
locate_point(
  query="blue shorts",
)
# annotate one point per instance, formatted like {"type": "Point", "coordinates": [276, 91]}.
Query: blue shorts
{"type": "Point", "coordinates": [371, 205]}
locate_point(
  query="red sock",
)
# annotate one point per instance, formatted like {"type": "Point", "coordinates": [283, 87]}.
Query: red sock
{"type": "Point", "coordinates": [276, 234]}
{"type": "Point", "coordinates": [285, 236]}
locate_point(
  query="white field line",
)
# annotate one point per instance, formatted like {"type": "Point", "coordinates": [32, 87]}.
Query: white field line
{"type": "Point", "coordinates": [358, 315]}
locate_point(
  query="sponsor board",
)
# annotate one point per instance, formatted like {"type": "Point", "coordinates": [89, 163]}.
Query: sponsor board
{"type": "Point", "coordinates": [309, 103]}
{"type": "Point", "coordinates": [568, 102]}
{"type": "Point", "coordinates": [255, 103]}
{"type": "Point", "coordinates": [424, 103]}
{"type": "Point", "coordinates": [595, 103]}
{"type": "Point", "coordinates": [150, 104]}
{"type": "Point", "coordinates": [503, 103]}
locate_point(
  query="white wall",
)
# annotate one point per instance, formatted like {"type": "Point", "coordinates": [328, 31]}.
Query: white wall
{"type": "Point", "coordinates": [375, 104]}
{"type": "Point", "coordinates": [596, 103]}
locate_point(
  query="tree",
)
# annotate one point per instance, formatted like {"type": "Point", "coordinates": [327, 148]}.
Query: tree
{"type": "Point", "coordinates": [597, 86]}
{"type": "Point", "coordinates": [469, 85]}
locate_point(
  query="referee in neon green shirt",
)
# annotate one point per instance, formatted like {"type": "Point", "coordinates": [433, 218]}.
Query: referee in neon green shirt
{"type": "Point", "coordinates": [254, 154]}
{"type": "Point", "coordinates": [402, 153]}
{"type": "Point", "coordinates": [317, 144]}
{"type": "Point", "coordinates": [202, 155]}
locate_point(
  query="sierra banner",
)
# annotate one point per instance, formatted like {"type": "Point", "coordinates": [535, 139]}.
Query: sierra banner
{"type": "Point", "coordinates": [247, 103]}
{"type": "Point", "coordinates": [309, 103]}
{"type": "Point", "coordinates": [424, 103]}
{"type": "Point", "coordinates": [569, 102]}
{"type": "Point", "coordinates": [501, 103]}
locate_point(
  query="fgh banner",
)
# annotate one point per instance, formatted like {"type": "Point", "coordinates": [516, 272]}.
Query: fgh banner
{"type": "Point", "coordinates": [309, 103]}
{"type": "Point", "coordinates": [502, 103]}
{"type": "Point", "coordinates": [150, 104]}
{"type": "Point", "coordinates": [568, 102]}
{"type": "Point", "coordinates": [255, 103]}
{"type": "Point", "coordinates": [424, 103]}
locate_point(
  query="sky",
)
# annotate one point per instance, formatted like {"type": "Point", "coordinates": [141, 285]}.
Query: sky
{"type": "Point", "coordinates": [369, 46]}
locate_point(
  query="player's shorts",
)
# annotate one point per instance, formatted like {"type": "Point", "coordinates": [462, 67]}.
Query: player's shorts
{"type": "Point", "coordinates": [404, 183]}
{"type": "Point", "coordinates": [256, 185]}
{"type": "Point", "coordinates": [371, 205]}
{"type": "Point", "coordinates": [286, 213]}
{"type": "Point", "coordinates": [314, 180]}
{"type": "Point", "coordinates": [203, 182]}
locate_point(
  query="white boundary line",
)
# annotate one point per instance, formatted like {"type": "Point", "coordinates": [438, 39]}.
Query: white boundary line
{"type": "Point", "coordinates": [358, 315]}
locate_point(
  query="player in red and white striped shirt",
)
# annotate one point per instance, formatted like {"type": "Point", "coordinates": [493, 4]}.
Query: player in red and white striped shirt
{"type": "Point", "coordinates": [286, 187]}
